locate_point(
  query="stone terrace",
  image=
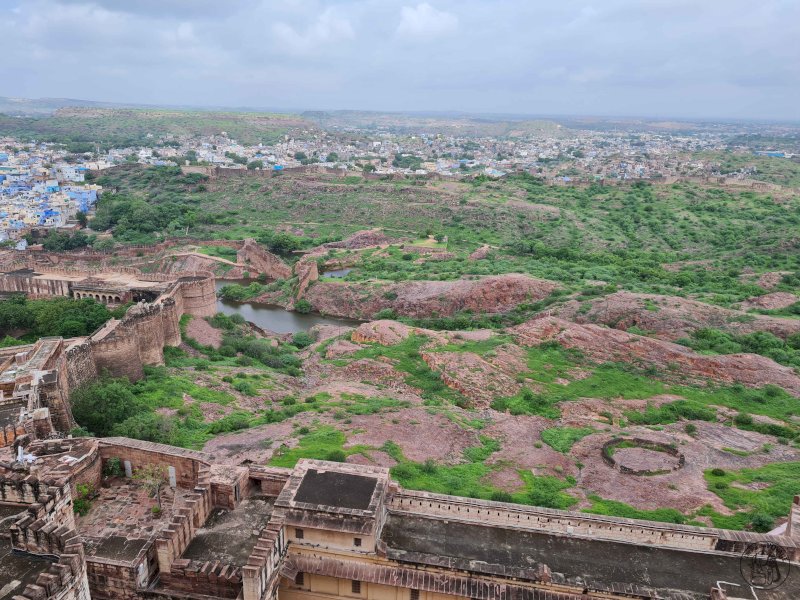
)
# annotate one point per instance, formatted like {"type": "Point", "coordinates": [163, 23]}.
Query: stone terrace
{"type": "Point", "coordinates": [126, 510]}
{"type": "Point", "coordinates": [229, 536]}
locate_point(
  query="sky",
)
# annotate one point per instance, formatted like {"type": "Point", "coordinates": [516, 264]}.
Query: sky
{"type": "Point", "coordinates": [652, 58]}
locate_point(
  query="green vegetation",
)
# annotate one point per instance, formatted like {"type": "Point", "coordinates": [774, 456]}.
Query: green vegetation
{"type": "Point", "coordinates": [408, 360]}
{"type": "Point", "coordinates": [561, 439]}
{"type": "Point", "coordinates": [759, 496]}
{"type": "Point", "coordinates": [219, 252]}
{"type": "Point", "coordinates": [467, 479]}
{"type": "Point", "coordinates": [643, 238]}
{"type": "Point", "coordinates": [786, 352]}
{"type": "Point", "coordinates": [324, 443]}
{"type": "Point", "coordinates": [65, 317]}
{"type": "Point", "coordinates": [613, 508]}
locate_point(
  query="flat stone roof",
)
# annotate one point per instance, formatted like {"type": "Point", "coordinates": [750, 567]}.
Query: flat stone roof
{"type": "Point", "coordinates": [17, 570]}
{"type": "Point", "coordinates": [332, 488]}
{"type": "Point", "coordinates": [601, 565]}
{"type": "Point", "coordinates": [229, 536]}
{"type": "Point", "coordinates": [115, 548]}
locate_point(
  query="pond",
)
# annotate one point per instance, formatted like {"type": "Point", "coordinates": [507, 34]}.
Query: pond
{"type": "Point", "coordinates": [275, 318]}
{"type": "Point", "coordinates": [338, 273]}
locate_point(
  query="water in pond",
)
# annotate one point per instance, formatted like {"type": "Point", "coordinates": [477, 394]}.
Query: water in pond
{"type": "Point", "coordinates": [339, 273]}
{"type": "Point", "coordinates": [274, 318]}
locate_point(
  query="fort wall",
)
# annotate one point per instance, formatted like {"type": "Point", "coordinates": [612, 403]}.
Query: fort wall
{"type": "Point", "coordinates": [111, 580]}
{"type": "Point", "coordinates": [488, 513]}
{"type": "Point", "coordinates": [65, 579]}
{"type": "Point", "coordinates": [34, 287]}
{"type": "Point", "coordinates": [176, 537]}
{"type": "Point", "coordinates": [187, 463]}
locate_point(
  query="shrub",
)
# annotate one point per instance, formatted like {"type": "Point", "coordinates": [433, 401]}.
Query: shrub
{"type": "Point", "coordinates": [302, 339]}
{"type": "Point", "coordinates": [113, 468]}
{"type": "Point", "coordinates": [386, 313]}
{"type": "Point", "coordinates": [762, 523]}
{"type": "Point", "coordinates": [303, 306]}
{"type": "Point", "coordinates": [336, 456]}
{"type": "Point", "coordinates": [718, 472]}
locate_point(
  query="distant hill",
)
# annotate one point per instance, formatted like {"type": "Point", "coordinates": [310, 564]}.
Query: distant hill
{"type": "Point", "coordinates": [131, 126]}
{"type": "Point", "coordinates": [433, 123]}
{"type": "Point", "coordinates": [30, 107]}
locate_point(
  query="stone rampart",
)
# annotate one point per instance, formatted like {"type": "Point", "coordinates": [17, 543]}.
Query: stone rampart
{"type": "Point", "coordinates": [173, 540]}
{"type": "Point", "coordinates": [34, 287]}
{"type": "Point", "coordinates": [216, 579]}
{"type": "Point", "coordinates": [261, 575]}
{"type": "Point", "coordinates": [553, 521]}
{"type": "Point", "coordinates": [65, 579]}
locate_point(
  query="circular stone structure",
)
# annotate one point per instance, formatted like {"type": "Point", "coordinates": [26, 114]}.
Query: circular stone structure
{"type": "Point", "coordinates": [636, 456]}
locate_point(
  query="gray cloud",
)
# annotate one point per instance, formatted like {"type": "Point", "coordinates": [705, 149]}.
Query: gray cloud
{"type": "Point", "coordinates": [683, 58]}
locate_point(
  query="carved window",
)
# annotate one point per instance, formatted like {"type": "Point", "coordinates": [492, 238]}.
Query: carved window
{"type": "Point", "coordinates": [355, 587]}
{"type": "Point", "coordinates": [413, 595]}
{"type": "Point", "coordinates": [357, 542]}
{"type": "Point", "coordinates": [299, 579]}
{"type": "Point", "coordinates": [298, 533]}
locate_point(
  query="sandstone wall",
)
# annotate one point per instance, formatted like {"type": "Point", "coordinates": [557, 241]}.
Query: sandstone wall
{"type": "Point", "coordinates": [262, 261]}
{"type": "Point", "coordinates": [111, 581]}
{"type": "Point", "coordinates": [187, 463]}
{"type": "Point", "coordinates": [80, 364]}
{"type": "Point", "coordinates": [34, 287]}
{"type": "Point", "coordinates": [65, 579]}
{"type": "Point", "coordinates": [198, 295]}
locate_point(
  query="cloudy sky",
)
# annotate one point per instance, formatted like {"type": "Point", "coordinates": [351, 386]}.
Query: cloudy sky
{"type": "Point", "coordinates": [679, 58]}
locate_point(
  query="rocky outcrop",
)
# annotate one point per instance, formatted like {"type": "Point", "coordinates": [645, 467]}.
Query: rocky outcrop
{"type": "Point", "coordinates": [475, 378]}
{"type": "Point", "coordinates": [605, 345]}
{"type": "Point", "coordinates": [383, 332]}
{"type": "Point", "coordinates": [307, 273]}
{"type": "Point", "coordinates": [481, 253]}
{"type": "Point", "coordinates": [495, 294]}
{"type": "Point", "coordinates": [773, 301]}
{"type": "Point", "coordinates": [251, 254]}
{"type": "Point", "coordinates": [670, 317]}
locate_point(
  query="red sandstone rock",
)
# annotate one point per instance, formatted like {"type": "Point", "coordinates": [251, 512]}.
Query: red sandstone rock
{"type": "Point", "coordinates": [307, 273]}
{"type": "Point", "coordinates": [472, 376]}
{"type": "Point", "coordinates": [670, 317]}
{"type": "Point", "coordinates": [383, 332]}
{"type": "Point", "coordinates": [341, 348]}
{"type": "Point", "coordinates": [262, 261]}
{"type": "Point", "coordinates": [775, 300]}
{"type": "Point", "coordinates": [495, 294]}
{"type": "Point", "coordinates": [602, 344]}
{"type": "Point", "coordinates": [481, 253]}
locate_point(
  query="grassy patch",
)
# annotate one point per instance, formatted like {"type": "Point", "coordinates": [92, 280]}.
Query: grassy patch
{"type": "Point", "coordinates": [612, 508]}
{"type": "Point", "coordinates": [324, 443]}
{"type": "Point", "coordinates": [771, 497]}
{"type": "Point", "coordinates": [562, 439]}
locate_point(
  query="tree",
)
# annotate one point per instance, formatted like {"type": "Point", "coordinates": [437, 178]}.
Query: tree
{"type": "Point", "coordinates": [102, 403]}
{"type": "Point", "coordinates": [255, 164]}
{"type": "Point", "coordinates": [332, 157]}
{"type": "Point", "coordinates": [152, 478]}
{"type": "Point", "coordinates": [368, 168]}
{"type": "Point", "coordinates": [303, 306]}
{"type": "Point", "coordinates": [300, 156]}
{"type": "Point", "coordinates": [83, 221]}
